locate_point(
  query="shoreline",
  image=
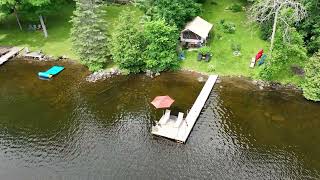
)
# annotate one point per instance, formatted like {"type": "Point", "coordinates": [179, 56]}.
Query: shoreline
{"type": "Point", "coordinates": [257, 82]}
{"type": "Point", "coordinates": [114, 71]}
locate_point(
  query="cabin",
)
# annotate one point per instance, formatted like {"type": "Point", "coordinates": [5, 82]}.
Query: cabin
{"type": "Point", "coordinates": [196, 33]}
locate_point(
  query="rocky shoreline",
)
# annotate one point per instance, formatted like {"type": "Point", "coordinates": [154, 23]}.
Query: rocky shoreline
{"type": "Point", "coordinates": [103, 74]}
{"type": "Point", "coordinates": [108, 73]}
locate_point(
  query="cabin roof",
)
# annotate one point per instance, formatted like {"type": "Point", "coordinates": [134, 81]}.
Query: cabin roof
{"type": "Point", "coordinates": [199, 26]}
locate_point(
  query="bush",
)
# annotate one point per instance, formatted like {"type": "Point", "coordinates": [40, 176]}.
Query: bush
{"type": "Point", "coordinates": [311, 86]}
{"type": "Point", "coordinates": [229, 27]}
{"type": "Point", "coordinates": [235, 47]}
{"type": "Point", "coordinates": [235, 7]}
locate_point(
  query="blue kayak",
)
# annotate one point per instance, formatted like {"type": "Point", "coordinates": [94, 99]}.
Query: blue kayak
{"type": "Point", "coordinates": [51, 72]}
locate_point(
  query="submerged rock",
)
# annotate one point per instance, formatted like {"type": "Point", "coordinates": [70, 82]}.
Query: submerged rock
{"type": "Point", "coordinates": [152, 74]}
{"type": "Point", "coordinates": [201, 79]}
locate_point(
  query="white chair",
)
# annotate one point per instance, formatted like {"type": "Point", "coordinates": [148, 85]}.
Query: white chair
{"type": "Point", "coordinates": [253, 63]}
{"type": "Point", "coordinates": [179, 120]}
{"type": "Point", "coordinates": [165, 118]}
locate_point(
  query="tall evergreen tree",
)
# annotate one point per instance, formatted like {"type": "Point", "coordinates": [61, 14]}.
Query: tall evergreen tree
{"type": "Point", "coordinates": [88, 34]}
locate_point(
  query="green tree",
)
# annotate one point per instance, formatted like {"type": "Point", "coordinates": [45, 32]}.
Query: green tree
{"type": "Point", "coordinates": [161, 40]}
{"type": "Point", "coordinates": [8, 7]}
{"type": "Point", "coordinates": [175, 12]}
{"type": "Point", "coordinates": [128, 44]}
{"type": "Point", "coordinates": [285, 54]}
{"type": "Point", "coordinates": [283, 13]}
{"type": "Point", "coordinates": [311, 87]}
{"type": "Point", "coordinates": [30, 8]}
{"type": "Point", "coordinates": [38, 8]}
{"type": "Point", "coordinates": [310, 28]}
{"type": "Point", "coordinates": [88, 34]}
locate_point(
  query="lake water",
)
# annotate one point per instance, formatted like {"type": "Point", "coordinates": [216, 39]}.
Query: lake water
{"type": "Point", "coordinates": [67, 128]}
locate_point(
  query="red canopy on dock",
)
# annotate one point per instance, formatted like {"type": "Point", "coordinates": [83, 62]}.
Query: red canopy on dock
{"type": "Point", "coordinates": [161, 102]}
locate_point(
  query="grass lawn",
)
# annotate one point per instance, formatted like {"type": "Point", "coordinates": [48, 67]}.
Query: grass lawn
{"type": "Point", "coordinates": [223, 61]}
{"type": "Point", "coordinates": [58, 43]}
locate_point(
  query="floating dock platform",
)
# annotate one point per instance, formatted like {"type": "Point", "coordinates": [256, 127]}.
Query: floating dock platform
{"type": "Point", "coordinates": [181, 133]}
{"type": "Point", "coordinates": [13, 52]}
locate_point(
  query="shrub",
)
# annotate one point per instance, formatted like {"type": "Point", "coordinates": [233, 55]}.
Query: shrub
{"type": "Point", "coordinates": [235, 47]}
{"type": "Point", "coordinates": [218, 36]}
{"type": "Point", "coordinates": [235, 7]}
{"type": "Point", "coordinates": [229, 27]}
{"type": "Point", "coordinates": [222, 21]}
{"type": "Point", "coordinates": [311, 86]}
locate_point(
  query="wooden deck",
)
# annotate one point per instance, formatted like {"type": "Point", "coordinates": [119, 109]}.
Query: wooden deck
{"type": "Point", "coordinates": [182, 132]}
{"type": "Point", "coordinates": [13, 52]}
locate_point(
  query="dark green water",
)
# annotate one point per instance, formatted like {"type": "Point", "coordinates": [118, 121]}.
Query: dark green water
{"type": "Point", "coordinates": [69, 129]}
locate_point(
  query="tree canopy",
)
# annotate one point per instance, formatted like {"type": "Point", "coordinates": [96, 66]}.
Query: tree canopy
{"type": "Point", "coordinates": [174, 12]}
{"type": "Point", "coordinates": [88, 34]}
{"type": "Point", "coordinates": [161, 40]}
{"type": "Point", "coordinates": [311, 87]}
{"type": "Point", "coordinates": [128, 44]}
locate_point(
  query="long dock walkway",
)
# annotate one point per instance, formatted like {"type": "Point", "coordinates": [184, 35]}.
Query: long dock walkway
{"type": "Point", "coordinates": [13, 52]}
{"type": "Point", "coordinates": [182, 132]}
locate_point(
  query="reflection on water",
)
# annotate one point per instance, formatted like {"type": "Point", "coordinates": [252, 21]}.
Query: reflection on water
{"type": "Point", "coordinates": [67, 128]}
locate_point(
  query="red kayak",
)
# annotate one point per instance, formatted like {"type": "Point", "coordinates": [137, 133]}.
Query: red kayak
{"type": "Point", "coordinates": [259, 55]}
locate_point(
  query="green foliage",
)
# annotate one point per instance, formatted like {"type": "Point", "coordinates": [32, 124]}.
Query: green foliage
{"type": "Point", "coordinates": [128, 44]}
{"type": "Point", "coordinates": [88, 34]}
{"type": "Point", "coordinates": [235, 7]}
{"type": "Point", "coordinates": [161, 40]}
{"type": "Point", "coordinates": [285, 53]}
{"type": "Point", "coordinates": [211, 68]}
{"type": "Point", "coordinates": [266, 30]}
{"type": "Point", "coordinates": [310, 28]}
{"type": "Point", "coordinates": [311, 87]}
{"type": "Point", "coordinates": [228, 27]}
{"type": "Point", "coordinates": [174, 12]}
{"type": "Point", "coordinates": [236, 47]}
{"type": "Point", "coordinates": [204, 50]}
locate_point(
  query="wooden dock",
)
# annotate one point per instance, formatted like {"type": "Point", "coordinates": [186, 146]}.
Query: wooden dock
{"type": "Point", "coordinates": [13, 52]}
{"type": "Point", "coordinates": [182, 132]}
{"type": "Point", "coordinates": [34, 55]}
